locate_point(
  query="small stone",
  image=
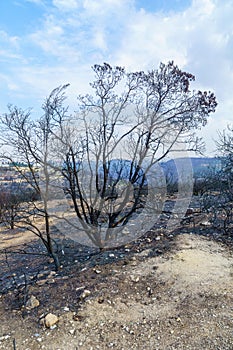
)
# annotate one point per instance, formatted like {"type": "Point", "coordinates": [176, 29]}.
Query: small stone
{"type": "Point", "coordinates": [66, 308]}
{"type": "Point", "coordinates": [205, 223]}
{"type": "Point", "coordinates": [157, 238]}
{"type": "Point", "coordinates": [5, 337]}
{"type": "Point", "coordinates": [134, 278]}
{"type": "Point", "coordinates": [85, 294]}
{"type": "Point", "coordinates": [111, 255]}
{"type": "Point", "coordinates": [50, 320]}
{"type": "Point", "coordinates": [78, 317]}
{"type": "Point", "coordinates": [125, 231]}
{"type": "Point", "coordinates": [53, 327]}
{"type": "Point", "coordinates": [32, 303]}
{"type": "Point", "coordinates": [41, 282]}
{"type": "Point", "coordinates": [72, 331]}
{"type": "Point", "coordinates": [52, 274]}
{"type": "Point", "coordinates": [79, 288]}
{"type": "Point", "coordinates": [97, 271]}
{"type": "Point", "coordinates": [51, 281]}
{"type": "Point", "coordinates": [189, 211]}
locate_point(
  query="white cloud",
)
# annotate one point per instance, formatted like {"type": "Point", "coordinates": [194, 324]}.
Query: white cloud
{"type": "Point", "coordinates": [149, 39]}
{"type": "Point", "coordinates": [203, 8]}
{"type": "Point", "coordinates": [103, 7]}
{"type": "Point", "coordinates": [75, 34]}
{"type": "Point", "coordinates": [66, 5]}
{"type": "Point", "coordinates": [37, 2]}
{"type": "Point", "coordinates": [8, 39]}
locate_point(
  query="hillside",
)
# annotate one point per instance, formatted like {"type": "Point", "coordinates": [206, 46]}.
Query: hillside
{"type": "Point", "coordinates": [161, 292]}
{"type": "Point", "coordinates": [201, 166]}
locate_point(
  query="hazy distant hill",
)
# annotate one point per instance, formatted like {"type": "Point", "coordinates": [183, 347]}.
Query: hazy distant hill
{"type": "Point", "coordinates": [199, 166]}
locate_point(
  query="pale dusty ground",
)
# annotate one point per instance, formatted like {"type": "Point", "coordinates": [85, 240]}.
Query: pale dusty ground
{"type": "Point", "coordinates": [179, 300]}
{"type": "Point", "coordinates": [14, 237]}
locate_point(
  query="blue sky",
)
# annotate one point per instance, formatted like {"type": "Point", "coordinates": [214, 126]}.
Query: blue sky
{"type": "Point", "coordinates": [45, 43]}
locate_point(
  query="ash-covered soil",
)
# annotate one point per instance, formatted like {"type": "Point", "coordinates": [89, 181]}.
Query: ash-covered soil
{"type": "Point", "coordinates": [164, 291]}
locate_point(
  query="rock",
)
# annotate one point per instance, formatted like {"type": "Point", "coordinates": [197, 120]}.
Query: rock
{"type": "Point", "coordinates": [51, 281]}
{"type": "Point", "coordinates": [53, 326]}
{"type": "Point", "coordinates": [50, 320]}
{"type": "Point", "coordinates": [32, 303]}
{"type": "Point", "coordinates": [4, 337]}
{"type": "Point", "coordinates": [134, 278]}
{"type": "Point", "coordinates": [125, 231]}
{"type": "Point", "coordinates": [52, 274]}
{"type": "Point", "coordinates": [85, 294]}
{"type": "Point", "coordinates": [149, 290]}
{"type": "Point", "coordinates": [205, 223]}
{"type": "Point", "coordinates": [189, 211]}
{"type": "Point", "coordinates": [79, 288]}
{"type": "Point", "coordinates": [41, 282]}
{"type": "Point", "coordinates": [78, 317]}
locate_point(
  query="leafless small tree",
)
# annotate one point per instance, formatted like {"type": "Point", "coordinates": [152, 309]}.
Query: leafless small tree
{"type": "Point", "coordinates": [14, 202]}
{"type": "Point", "coordinates": [105, 155]}
{"type": "Point", "coordinates": [27, 140]}
{"type": "Point", "coordinates": [225, 204]}
{"type": "Point", "coordinates": [128, 125]}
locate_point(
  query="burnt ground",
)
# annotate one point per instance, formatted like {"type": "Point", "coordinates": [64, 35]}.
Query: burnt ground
{"type": "Point", "coordinates": [165, 290]}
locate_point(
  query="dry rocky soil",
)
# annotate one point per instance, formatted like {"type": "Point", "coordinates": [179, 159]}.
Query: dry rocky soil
{"type": "Point", "coordinates": [163, 291]}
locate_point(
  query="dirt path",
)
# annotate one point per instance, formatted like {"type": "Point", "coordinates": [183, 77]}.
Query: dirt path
{"type": "Point", "coordinates": [179, 300]}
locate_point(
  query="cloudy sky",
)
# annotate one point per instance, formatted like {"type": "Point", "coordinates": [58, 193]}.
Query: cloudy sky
{"type": "Point", "coordinates": [45, 43]}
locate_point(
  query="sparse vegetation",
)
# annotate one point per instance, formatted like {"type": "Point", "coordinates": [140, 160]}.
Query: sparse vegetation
{"type": "Point", "coordinates": [98, 163]}
{"type": "Point", "coordinates": [139, 116]}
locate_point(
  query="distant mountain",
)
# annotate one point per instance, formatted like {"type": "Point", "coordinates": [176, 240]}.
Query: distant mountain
{"type": "Point", "coordinates": [200, 167]}
{"type": "Point", "coordinates": [173, 169]}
